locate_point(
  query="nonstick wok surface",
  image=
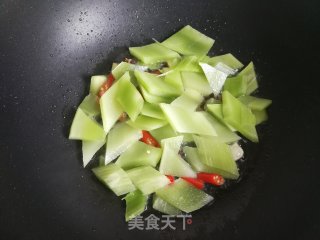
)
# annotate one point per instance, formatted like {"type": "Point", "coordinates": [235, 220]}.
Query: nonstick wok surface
{"type": "Point", "coordinates": [49, 50]}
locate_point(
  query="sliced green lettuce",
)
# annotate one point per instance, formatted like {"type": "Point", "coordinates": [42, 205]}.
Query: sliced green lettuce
{"type": "Point", "coordinates": [153, 53]}
{"type": "Point", "coordinates": [216, 154]}
{"type": "Point", "coordinates": [223, 132]}
{"type": "Point", "coordinates": [89, 148]}
{"type": "Point", "coordinates": [129, 97]}
{"type": "Point", "coordinates": [237, 86]}
{"type": "Point", "coordinates": [171, 162]}
{"type": "Point", "coordinates": [90, 105]}
{"type": "Point", "coordinates": [173, 78]}
{"type": "Point", "coordinates": [85, 128]}
{"type": "Point", "coordinates": [193, 158]}
{"type": "Point", "coordinates": [185, 121]}
{"type": "Point", "coordinates": [147, 123]}
{"type": "Point", "coordinates": [239, 116]}
{"type": "Point", "coordinates": [139, 154]}
{"type": "Point", "coordinates": [155, 85]}
{"type": "Point", "coordinates": [120, 138]}
{"type": "Point", "coordinates": [163, 132]}
{"type": "Point", "coordinates": [124, 67]}
{"type": "Point", "coordinates": [150, 98]}
{"type": "Point", "coordinates": [162, 206]}
{"type": "Point", "coordinates": [261, 116]}
{"type": "Point", "coordinates": [249, 74]}
{"type": "Point", "coordinates": [189, 41]}
{"type": "Point", "coordinates": [184, 196]}
{"type": "Point", "coordinates": [96, 83]}
{"type": "Point", "coordinates": [114, 178]}
{"type": "Point", "coordinates": [152, 110]}
{"type": "Point", "coordinates": [111, 109]}
{"type": "Point", "coordinates": [190, 99]}
{"type": "Point", "coordinates": [227, 59]}
{"type": "Point", "coordinates": [136, 204]}
{"type": "Point", "coordinates": [255, 103]}
{"type": "Point", "coordinates": [215, 110]}
{"type": "Point", "coordinates": [147, 179]}
{"type": "Point", "coordinates": [196, 81]}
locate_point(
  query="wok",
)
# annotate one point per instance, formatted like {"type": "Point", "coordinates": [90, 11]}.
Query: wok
{"type": "Point", "coordinates": [49, 50]}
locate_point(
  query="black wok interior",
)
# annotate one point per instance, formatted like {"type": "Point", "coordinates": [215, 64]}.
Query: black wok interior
{"type": "Point", "coordinates": [48, 51]}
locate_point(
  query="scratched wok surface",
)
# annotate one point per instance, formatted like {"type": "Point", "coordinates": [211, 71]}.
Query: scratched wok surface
{"type": "Point", "coordinates": [48, 51]}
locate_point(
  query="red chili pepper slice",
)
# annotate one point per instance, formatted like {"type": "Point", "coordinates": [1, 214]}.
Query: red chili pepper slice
{"type": "Point", "coordinates": [106, 85]}
{"type": "Point", "coordinates": [149, 139]}
{"type": "Point", "coordinates": [198, 183]}
{"type": "Point", "coordinates": [171, 178]}
{"type": "Point", "coordinates": [212, 178]}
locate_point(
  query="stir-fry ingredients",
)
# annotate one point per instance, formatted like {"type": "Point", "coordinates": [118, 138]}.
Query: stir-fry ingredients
{"type": "Point", "coordinates": [169, 122]}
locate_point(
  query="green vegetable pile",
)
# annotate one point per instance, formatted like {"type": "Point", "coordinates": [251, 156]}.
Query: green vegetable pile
{"type": "Point", "coordinates": [171, 110]}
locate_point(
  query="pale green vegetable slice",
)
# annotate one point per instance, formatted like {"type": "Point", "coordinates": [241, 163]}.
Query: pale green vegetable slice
{"type": "Point", "coordinates": [189, 41]}
{"type": "Point", "coordinates": [152, 110]}
{"type": "Point", "coordinates": [227, 59]}
{"type": "Point", "coordinates": [261, 116]}
{"type": "Point", "coordinates": [119, 139]}
{"type": "Point", "coordinates": [129, 97]}
{"type": "Point", "coordinates": [185, 121]}
{"type": "Point", "coordinates": [111, 109]}
{"type": "Point", "coordinates": [172, 163]}
{"type": "Point", "coordinates": [174, 143]}
{"type": "Point", "coordinates": [147, 179]}
{"type": "Point", "coordinates": [163, 132]}
{"type": "Point", "coordinates": [89, 148]}
{"type": "Point", "coordinates": [184, 196]}
{"type": "Point", "coordinates": [120, 69]}
{"type": "Point", "coordinates": [150, 98]}
{"type": "Point", "coordinates": [139, 154]}
{"type": "Point", "coordinates": [155, 85]}
{"type": "Point", "coordinates": [162, 206]}
{"type": "Point", "coordinates": [223, 132]}
{"type": "Point", "coordinates": [173, 78]}
{"type": "Point", "coordinates": [153, 53]}
{"type": "Point", "coordinates": [189, 63]}
{"type": "Point", "coordinates": [216, 154]}
{"type": "Point", "coordinates": [90, 105]}
{"type": "Point", "coordinates": [124, 67]}
{"type": "Point", "coordinates": [136, 204]}
{"type": "Point", "coordinates": [215, 110]}
{"type": "Point", "coordinates": [196, 81]}
{"type": "Point", "coordinates": [190, 99]}
{"type": "Point", "coordinates": [237, 85]}
{"type": "Point", "coordinates": [249, 75]}
{"type": "Point", "coordinates": [96, 83]}
{"type": "Point", "coordinates": [147, 123]}
{"type": "Point", "coordinates": [239, 116]}
{"type": "Point", "coordinates": [114, 65]}
{"type": "Point", "coordinates": [85, 128]}
{"type": "Point", "coordinates": [193, 158]}
{"type": "Point", "coordinates": [255, 103]}
{"type": "Point", "coordinates": [114, 178]}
